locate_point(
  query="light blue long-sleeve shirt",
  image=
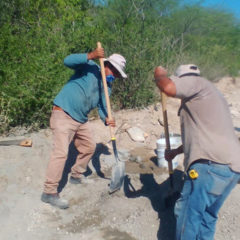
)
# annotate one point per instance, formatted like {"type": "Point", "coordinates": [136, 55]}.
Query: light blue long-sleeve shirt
{"type": "Point", "coordinates": [84, 91]}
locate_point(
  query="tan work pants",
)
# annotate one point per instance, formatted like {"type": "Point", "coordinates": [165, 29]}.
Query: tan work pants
{"type": "Point", "coordinates": [65, 129]}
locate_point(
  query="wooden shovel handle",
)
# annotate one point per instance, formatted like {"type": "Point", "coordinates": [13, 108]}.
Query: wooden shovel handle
{"type": "Point", "coordinates": [165, 119]}
{"type": "Point", "coordinates": [106, 91]}
{"type": "Point", "coordinates": [166, 130]}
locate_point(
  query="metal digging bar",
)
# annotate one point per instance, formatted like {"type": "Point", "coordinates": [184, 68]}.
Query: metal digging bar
{"type": "Point", "coordinates": [172, 196]}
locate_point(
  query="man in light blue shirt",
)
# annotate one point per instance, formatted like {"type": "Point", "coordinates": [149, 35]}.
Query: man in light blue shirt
{"type": "Point", "coordinates": [69, 120]}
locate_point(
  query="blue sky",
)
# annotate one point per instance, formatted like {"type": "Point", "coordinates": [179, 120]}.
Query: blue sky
{"type": "Point", "coordinates": [230, 5]}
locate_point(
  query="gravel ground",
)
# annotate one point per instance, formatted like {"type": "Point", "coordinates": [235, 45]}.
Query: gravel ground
{"type": "Point", "coordinates": [136, 212]}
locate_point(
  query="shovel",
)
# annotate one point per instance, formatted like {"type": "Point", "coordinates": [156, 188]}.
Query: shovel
{"type": "Point", "coordinates": [118, 170]}
{"type": "Point", "coordinates": [172, 196]}
{"type": "Point", "coordinates": [18, 142]}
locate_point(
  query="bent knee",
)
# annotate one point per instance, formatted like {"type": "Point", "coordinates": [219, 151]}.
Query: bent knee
{"type": "Point", "coordinates": [87, 148]}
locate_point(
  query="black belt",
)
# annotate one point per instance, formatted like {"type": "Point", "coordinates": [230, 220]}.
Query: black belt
{"type": "Point", "coordinates": [202, 161]}
{"type": "Point", "coordinates": [205, 161]}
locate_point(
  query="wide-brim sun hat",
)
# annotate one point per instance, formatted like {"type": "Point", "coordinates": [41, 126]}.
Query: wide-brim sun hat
{"type": "Point", "coordinates": [118, 62]}
{"type": "Point", "coordinates": [187, 69]}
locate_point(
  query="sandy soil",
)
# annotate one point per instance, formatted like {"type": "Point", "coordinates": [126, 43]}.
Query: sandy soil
{"type": "Point", "coordinates": [136, 212]}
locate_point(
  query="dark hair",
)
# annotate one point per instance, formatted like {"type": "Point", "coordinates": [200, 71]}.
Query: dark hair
{"type": "Point", "coordinates": [108, 64]}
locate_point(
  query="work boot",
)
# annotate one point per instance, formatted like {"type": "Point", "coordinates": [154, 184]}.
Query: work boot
{"type": "Point", "coordinates": [74, 180]}
{"type": "Point", "coordinates": [80, 180]}
{"type": "Point", "coordinates": [54, 200]}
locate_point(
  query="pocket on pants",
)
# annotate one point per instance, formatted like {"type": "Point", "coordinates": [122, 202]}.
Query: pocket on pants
{"type": "Point", "coordinates": [220, 176]}
{"type": "Point", "coordinates": [187, 188]}
{"type": "Point", "coordinates": [184, 195]}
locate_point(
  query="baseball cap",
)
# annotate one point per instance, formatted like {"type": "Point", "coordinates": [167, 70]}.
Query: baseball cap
{"type": "Point", "coordinates": [186, 69]}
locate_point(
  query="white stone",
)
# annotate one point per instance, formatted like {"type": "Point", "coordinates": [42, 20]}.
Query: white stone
{"type": "Point", "coordinates": [136, 134]}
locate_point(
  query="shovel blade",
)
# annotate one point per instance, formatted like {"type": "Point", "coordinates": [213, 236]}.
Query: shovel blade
{"type": "Point", "coordinates": [118, 174]}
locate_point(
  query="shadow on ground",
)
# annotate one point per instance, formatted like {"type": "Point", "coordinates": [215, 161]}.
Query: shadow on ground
{"type": "Point", "coordinates": [157, 194]}
{"type": "Point", "coordinates": [72, 155]}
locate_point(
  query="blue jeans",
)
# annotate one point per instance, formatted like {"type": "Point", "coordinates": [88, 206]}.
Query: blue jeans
{"type": "Point", "coordinates": [201, 199]}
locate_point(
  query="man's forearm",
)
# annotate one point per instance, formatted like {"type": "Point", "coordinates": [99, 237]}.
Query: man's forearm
{"type": "Point", "coordinates": [164, 83]}
{"type": "Point", "coordinates": [179, 150]}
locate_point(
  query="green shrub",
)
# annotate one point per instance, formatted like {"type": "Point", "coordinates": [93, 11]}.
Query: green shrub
{"type": "Point", "coordinates": [37, 35]}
